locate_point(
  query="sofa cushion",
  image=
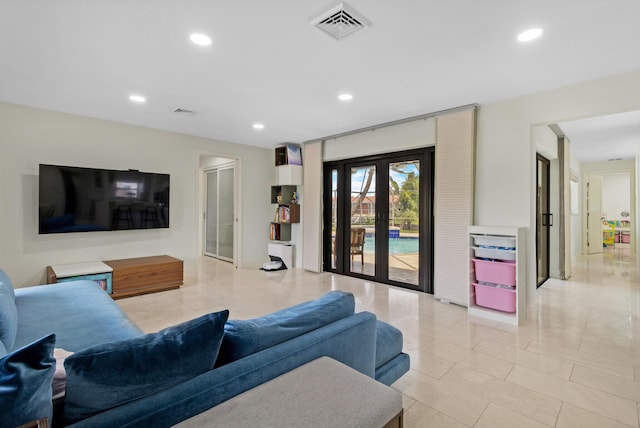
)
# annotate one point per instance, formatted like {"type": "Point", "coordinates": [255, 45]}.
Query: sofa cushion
{"type": "Point", "coordinates": [8, 314]}
{"type": "Point", "coordinates": [25, 383]}
{"type": "Point", "coordinates": [247, 337]}
{"type": "Point", "coordinates": [80, 313]}
{"type": "Point", "coordinates": [388, 343]}
{"type": "Point", "coordinates": [112, 374]}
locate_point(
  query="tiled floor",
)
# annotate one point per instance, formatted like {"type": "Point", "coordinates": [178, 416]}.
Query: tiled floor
{"type": "Point", "coordinates": [574, 363]}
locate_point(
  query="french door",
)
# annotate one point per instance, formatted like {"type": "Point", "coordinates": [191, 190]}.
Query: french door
{"type": "Point", "coordinates": [219, 217]}
{"type": "Point", "coordinates": [378, 218]}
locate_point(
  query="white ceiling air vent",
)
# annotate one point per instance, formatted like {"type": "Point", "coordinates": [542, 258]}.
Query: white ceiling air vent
{"type": "Point", "coordinates": [340, 21]}
{"type": "Point", "coordinates": [185, 112]}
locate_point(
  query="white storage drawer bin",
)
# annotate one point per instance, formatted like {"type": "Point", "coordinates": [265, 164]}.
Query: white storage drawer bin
{"type": "Point", "coordinates": [494, 253]}
{"type": "Point", "coordinates": [494, 241]}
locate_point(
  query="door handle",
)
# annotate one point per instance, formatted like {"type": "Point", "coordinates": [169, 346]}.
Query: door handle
{"type": "Point", "coordinates": [550, 221]}
{"type": "Point", "coordinates": [544, 219]}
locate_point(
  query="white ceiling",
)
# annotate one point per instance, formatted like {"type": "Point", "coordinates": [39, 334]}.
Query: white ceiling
{"type": "Point", "coordinates": [612, 137]}
{"type": "Point", "coordinates": [268, 64]}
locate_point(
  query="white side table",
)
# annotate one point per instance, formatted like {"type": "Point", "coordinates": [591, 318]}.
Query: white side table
{"type": "Point", "coordinates": [93, 271]}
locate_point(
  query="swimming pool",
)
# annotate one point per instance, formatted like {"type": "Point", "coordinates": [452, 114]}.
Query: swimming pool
{"type": "Point", "coordinates": [396, 245]}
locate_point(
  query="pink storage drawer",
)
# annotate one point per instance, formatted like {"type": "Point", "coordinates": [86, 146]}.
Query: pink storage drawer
{"type": "Point", "coordinates": [501, 299]}
{"type": "Point", "coordinates": [626, 239]}
{"type": "Point", "coordinates": [496, 272]}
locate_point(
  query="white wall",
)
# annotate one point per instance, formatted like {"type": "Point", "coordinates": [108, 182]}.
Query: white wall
{"type": "Point", "coordinates": [505, 173]}
{"type": "Point", "coordinates": [576, 202]}
{"type": "Point", "coordinates": [32, 136]}
{"type": "Point", "coordinates": [545, 141]}
{"type": "Point", "coordinates": [405, 136]}
{"type": "Point", "coordinates": [616, 191]}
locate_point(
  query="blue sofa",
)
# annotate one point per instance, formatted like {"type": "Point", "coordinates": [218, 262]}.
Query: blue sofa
{"type": "Point", "coordinates": [216, 358]}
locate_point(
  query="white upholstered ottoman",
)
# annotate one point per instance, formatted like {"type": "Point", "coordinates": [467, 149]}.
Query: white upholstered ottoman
{"type": "Point", "coordinates": [322, 393]}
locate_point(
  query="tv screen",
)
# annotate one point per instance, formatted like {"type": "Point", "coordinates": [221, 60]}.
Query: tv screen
{"type": "Point", "coordinates": [75, 199]}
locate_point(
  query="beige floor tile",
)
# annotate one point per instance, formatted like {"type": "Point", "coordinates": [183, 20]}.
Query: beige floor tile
{"type": "Point", "coordinates": [413, 340]}
{"type": "Point", "coordinates": [621, 354]}
{"type": "Point", "coordinates": [516, 398]}
{"type": "Point", "coordinates": [584, 358]}
{"type": "Point", "coordinates": [449, 399]}
{"type": "Point", "coordinates": [548, 318]}
{"type": "Point", "coordinates": [498, 417]}
{"type": "Point", "coordinates": [422, 416]}
{"type": "Point", "coordinates": [611, 337]}
{"type": "Point", "coordinates": [461, 333]}
{"type": "Point", "coordinates": [575, 417]}
{"type": "Point", "coordinates": [479, 332]}
{"type": "Point", "coordinates": [522, 357]}
{"type": "Point", "coordinates": [622, 387]}
{"type": "Point", "coordinates": [429, 364]}
{"type": "Point", "coordinates": [470, 358]}
{"type": "Point", "coordinates": [603, 403]}
{"type": "Point", "coordinates": [407, 402]}
{"type": "Point", "coordinates": [556, 333]}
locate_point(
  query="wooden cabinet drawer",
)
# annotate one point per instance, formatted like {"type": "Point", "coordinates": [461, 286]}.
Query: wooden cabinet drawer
{"type": "Point", "coordinates": [145, 275]}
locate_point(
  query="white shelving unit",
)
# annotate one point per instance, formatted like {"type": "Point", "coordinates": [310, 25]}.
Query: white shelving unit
{"type": "Point", "coordinates": [498, 234]}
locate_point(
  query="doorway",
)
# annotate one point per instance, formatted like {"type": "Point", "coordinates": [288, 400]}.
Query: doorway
{"type": "Point", "coordinates": [219, 211]}
{"type": "Point", "coordinates": [610, 212]}
{"type": "Point", "coordinates": [378, 214]}
{"type": "Point", "coordinates": [544, 219]}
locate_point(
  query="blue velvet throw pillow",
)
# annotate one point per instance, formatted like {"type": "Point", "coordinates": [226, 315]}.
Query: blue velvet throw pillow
{"type": "Point", "coordinates": [108, 375]}
{"type": "Point", "coordinates": [246, 337]}
{"type": "Point", "coordinates": [25, 383]}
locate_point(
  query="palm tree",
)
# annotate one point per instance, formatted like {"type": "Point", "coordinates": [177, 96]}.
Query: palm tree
{"type": "Point", "coordinates": [364, 190]}
{"type": "Point", "coordinates": [406, 168]}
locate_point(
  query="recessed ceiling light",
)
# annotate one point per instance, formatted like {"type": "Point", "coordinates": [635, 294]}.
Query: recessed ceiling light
{"type": "Point", "coordinates": [258, 126]}
{"type": "Point", "coordinates": [345, 97]}
{"type": "Point", "coordinates": [531, 34]}
{"type": "Point", "coordinates": [200, 39]}
{"type": "Point", "coordinates": [137, 99]}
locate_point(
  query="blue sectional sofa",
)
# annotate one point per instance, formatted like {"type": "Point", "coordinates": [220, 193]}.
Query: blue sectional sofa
{"type": "Point", "coordinates": [119, 376]}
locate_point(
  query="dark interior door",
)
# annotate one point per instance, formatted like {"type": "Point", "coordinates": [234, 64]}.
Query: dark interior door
{"type": "Point", "coordinates": [544, 219]}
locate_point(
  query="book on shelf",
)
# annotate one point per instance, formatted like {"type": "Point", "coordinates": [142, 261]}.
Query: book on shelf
{"type": "Point", "coordinates": [274, 231]}
{"type": "Point", "coordinates": [283, 214]}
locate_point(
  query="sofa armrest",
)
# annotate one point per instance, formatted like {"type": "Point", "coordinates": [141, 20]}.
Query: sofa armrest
{"type": "Point", "coordinates": [351, 340]}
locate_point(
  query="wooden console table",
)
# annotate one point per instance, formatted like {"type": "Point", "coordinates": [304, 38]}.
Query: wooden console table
{"type": "Point", "coordinates": [132, 277]}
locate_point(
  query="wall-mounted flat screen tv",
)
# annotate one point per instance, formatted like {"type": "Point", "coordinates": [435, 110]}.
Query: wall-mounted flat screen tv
{"type": "Point", "coordinates": [76, 199]}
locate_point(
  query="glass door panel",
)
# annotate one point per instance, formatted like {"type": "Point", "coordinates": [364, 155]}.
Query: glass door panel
{"type": "Point", "coordinates": [334, 218]}
{"type": "Point", "coordinates": [211, 224]}
{"type": "Point", "coordinates": [361, 238]}
{"type": "Point", "coordinates": [225, 214]}
{"type": "Point", "coordinates": [404, 222]}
